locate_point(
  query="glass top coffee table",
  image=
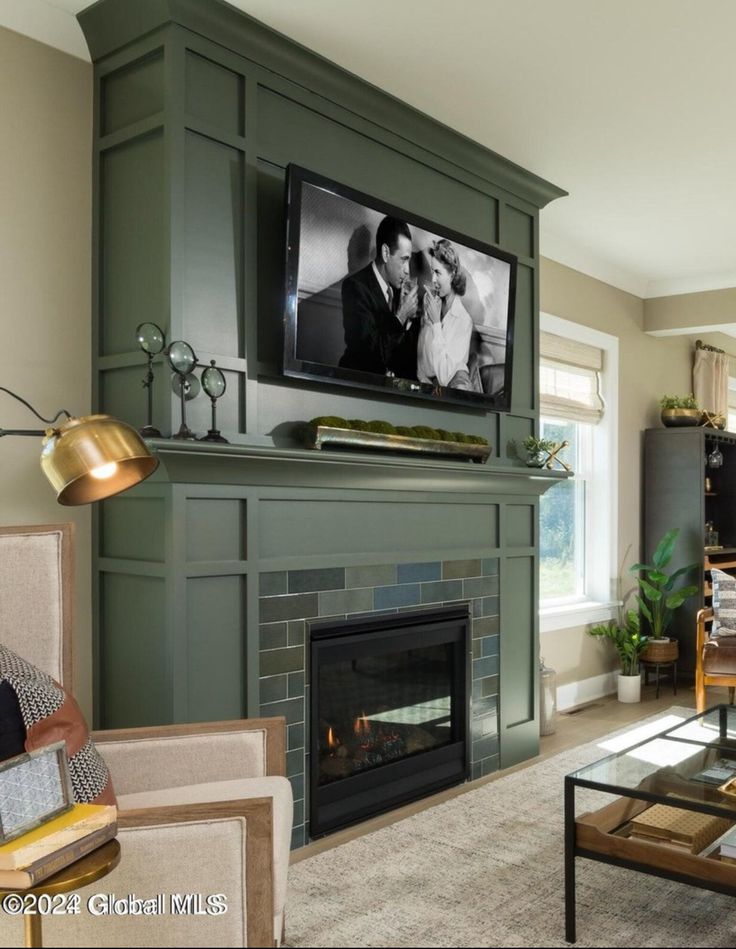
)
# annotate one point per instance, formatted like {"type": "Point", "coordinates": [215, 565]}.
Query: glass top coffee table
{"type": "Point", "coordinates": [683, 766]}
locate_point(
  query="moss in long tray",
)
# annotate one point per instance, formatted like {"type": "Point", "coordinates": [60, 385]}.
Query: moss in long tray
{"type": "Point", "coordinates": [405, 430]}
{"type": "Point", "coordinates": [461, 437]}
{"type": "Point", "coordinates": [380, 427]}
{"type": "Point", "coordinates": [424, 431]}
{"type": "Point", "coordinates": [445, 435]}
{"type": "Point", "coordinates": [477, 440]}
{"type": "Point", "coordinates": [332, 421]}
{"type": "Point", "coordinates": [357, 424]}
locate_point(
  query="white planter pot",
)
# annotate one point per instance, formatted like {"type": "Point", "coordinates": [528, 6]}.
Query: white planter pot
{"type": "Point", "coordinates": [629, 688]}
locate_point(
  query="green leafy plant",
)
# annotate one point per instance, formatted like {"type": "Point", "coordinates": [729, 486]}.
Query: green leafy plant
{"type": "Point", "coordinates": [627, 638]}
{"type": "Point", "coordinates": [678, 402]}
{"type": "Point", "coordinates": [657, 597]}
{"type": "Point", "coordinates": [386, 428]}
{"type": "Point", "coordinates": [535, 450]}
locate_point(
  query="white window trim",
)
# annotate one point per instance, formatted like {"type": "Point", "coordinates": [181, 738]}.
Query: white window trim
{"type": "Point", "coordinates": [602, 523]}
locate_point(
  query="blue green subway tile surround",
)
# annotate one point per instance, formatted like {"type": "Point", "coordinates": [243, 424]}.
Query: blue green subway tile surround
{"type": "Point", "coordinates": [481, 586]}
{"type": "Point", "coordinates": [311, 581]}
{"type": "Point", "coordinates": [273, 635]}
{"type": "Point", "coordinates": [274, 688]}
{"type": "Point", "coordinates": [345, 601]}
{"type": "Point", "coordinates": [290, 600]}
{"type": "Point", "coordinates": [294, 606]}
{"type": "Point", "coordinates": [417, 572]}
{"type": "Point", "coordinates": [408, 594]}
{"type": "Point", "coordinates": [490, 646]}
{"type": "Point", "coordinates": [272, 584]}
{"type": "Point", "coordinates": [296, 632]}
{"type": "Point", "coordinates": [442, 590]}
{"type": "Point", "coordinates": [294, 762]}
{"type": "Point", "coordinates": [296, 684]}
{"type": "Point", "coordinates": [459, 569]}
{"type": "Point", "coordinates": [295, 736]}
{"type": "Point", "coordinates": [374, 576]}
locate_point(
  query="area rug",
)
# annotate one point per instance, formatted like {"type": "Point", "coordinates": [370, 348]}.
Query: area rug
{"type": "Point", "coordinates": [487, 869]}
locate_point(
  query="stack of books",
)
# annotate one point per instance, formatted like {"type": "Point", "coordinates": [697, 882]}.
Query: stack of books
{"type": "Point", "coordinates": [679, 828]}
{"type": "Point", "coordinates": [727, 847]}
{"type": "Point", "coordinates": [29, 859]}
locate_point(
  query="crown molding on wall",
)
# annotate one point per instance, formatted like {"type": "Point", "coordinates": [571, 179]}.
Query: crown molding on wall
{"type": "Point", "coordinates": [46, 23]}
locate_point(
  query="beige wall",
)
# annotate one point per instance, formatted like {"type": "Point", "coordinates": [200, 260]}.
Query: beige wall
{"type": "Point", "coordinates": [648, 367]}
{"type": "Point", "coordinates": [45, 241]}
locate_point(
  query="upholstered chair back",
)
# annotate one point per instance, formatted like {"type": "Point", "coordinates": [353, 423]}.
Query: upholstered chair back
{"type": "Point", "coordinates": [36, 582]}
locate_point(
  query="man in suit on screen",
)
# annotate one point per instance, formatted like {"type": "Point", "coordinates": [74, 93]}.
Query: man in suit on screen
{"type": "Point", "coordinates": [379, 308]}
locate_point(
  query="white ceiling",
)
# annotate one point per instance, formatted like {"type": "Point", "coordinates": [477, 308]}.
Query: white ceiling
{"type": "Point", "coordinates": [626, 104]}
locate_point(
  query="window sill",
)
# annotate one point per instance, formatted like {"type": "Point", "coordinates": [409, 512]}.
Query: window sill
{"type": "Point", "coordinates": [552, 618]}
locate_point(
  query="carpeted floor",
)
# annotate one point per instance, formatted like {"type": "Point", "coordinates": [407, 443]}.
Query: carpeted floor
{"type": "Point", "coordinates": [487, 869]}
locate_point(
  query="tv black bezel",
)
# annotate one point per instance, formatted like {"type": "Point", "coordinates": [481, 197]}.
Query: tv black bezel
{"type": "Point", "coordinates": [296, 368]}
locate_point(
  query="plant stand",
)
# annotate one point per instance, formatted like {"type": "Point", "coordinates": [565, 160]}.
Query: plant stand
{"type": "Point", "coordinates": [656, 665]}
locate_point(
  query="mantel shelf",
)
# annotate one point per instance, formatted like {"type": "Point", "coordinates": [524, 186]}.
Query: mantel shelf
{"type": "Point", "coordinates": [186, 462]}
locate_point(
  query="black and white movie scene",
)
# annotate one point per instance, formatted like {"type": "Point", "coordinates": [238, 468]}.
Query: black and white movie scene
{"type": "Point", "coordinates": [380, 295]}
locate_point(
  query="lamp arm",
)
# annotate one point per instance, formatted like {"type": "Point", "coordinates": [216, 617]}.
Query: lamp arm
{"type": "Point", "coordinates": [49, 421]}
{"type": "Point", "coordinates": [22, 431]}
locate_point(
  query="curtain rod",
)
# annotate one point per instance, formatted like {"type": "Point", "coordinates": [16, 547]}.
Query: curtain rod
{"type": "Point", "coordinates": [699, 344]}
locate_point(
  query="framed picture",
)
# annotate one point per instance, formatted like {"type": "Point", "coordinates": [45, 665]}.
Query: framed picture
{"type": "Point", "coordinates": [380, 298]}
{"type": "Point", "coordinates": [34, 787]}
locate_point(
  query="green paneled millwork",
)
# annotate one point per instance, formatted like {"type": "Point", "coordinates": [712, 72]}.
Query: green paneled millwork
{"type": "Point", "coordinates": [199, 111]}
{"type": "Point", "coordinates": [518, 231]}
{"type": "Point", "coordinates": [135, 671]}
{"type": "Point", "coordinates": [216, 529]}
{"type": "Point", "coordinates": [212, 272]}
{"type": "Point", "coordinates": [216, 626]}
{"type": "Point", "coordinates": [520, 525]}
{"type": "Point", "coordinates": [215, 94]}
{"type": "Point", "coordinates": [111, 24]}
{"type": "Point", "coordinates": [523, 384]}
{"type": "Point", "coordinates": [122, 394]}
{"type": "Point", "coordinates": [133, 256]}
{"type": "Point", "coordinates": [133, 92]}
{"type": "Point", "coordinates": [289, 528]}
{"type": "Point", "coordinates": [133, 528]}
{"type": "Point", "coordinates": [519, 660]}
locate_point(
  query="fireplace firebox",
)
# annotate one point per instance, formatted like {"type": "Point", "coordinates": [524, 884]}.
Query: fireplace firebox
{"type": "Point", "coordinates": [389, 712]}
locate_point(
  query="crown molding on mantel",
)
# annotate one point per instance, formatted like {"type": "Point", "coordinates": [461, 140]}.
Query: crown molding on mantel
{"type": "Point", "coordinates": [188, 462]}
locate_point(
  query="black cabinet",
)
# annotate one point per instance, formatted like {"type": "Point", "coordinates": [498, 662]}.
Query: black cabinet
{"type": "Point", "coordinates": [675, 469]}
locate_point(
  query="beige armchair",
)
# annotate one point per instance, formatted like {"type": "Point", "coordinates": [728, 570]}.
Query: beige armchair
{"type": "Point", "coordinates": [204, 809]}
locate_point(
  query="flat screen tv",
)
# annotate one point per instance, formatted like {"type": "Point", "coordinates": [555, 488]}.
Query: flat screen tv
{"type": "Point", "coordinates": [383, 299]}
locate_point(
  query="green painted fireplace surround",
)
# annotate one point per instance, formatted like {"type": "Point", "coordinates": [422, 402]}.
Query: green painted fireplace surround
{"type": "Point", "coordinates": [198, 111]}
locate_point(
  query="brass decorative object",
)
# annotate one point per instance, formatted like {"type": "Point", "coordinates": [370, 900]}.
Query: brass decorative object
{"type": "Point", "coordinates": [712, 419]}
{"type": "Point", "coordinates": [324, 436]}
{"type": "Point", "coordinates": [552, 454]}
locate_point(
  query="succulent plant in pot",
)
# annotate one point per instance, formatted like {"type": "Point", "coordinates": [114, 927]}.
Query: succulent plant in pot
{"type": "Point", "coordinates": [629, 643]}
{"type": "Point", "coordinates": [679, 410]}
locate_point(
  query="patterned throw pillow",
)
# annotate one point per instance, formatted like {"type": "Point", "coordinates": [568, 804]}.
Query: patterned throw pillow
{"type": "Point", "coordinates": [724, 603]}
{"type": "Point", "coordinates": [50, 714]}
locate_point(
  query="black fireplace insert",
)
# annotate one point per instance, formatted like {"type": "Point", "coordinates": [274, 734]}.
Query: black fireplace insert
{"type": "Point", "coordinates": [389, 712]}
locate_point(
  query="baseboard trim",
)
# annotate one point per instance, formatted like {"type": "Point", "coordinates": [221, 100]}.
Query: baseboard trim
{"type": "Point", "coordinates": [586, 690]}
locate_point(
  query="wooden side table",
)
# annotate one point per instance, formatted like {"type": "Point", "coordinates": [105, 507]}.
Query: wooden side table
{"type": "Point", "coordinates": [86, 870]}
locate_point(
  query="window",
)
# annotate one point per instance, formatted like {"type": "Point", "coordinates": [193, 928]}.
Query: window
{"type": "Point", "coordinates": [578, 517]}
{"type": "Point", "coordinates": [731, 418]}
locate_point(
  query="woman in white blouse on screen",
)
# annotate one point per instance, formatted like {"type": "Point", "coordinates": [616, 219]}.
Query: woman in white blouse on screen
{"type": "Point", "coordinates": [444, 339]}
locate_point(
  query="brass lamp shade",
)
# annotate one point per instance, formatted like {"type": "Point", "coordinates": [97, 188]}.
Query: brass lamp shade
{"type": "Point", "coordinates": [94, 457]}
